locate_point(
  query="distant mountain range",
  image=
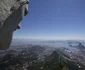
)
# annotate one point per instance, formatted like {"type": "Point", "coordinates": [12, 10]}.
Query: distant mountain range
{"type": "Point", "coordinates": [79, 46]}
{"type": "Point", "coordinates": [39, 57]}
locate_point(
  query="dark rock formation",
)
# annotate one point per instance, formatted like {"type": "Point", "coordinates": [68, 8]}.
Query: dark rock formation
{"type": "Point", "coordinates": [80, 46]}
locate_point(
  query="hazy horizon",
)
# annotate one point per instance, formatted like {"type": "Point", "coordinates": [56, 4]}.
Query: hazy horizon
{"type": "Point", "coordinates": [48, 38]}
{"type": "Point", "coordinates": [54, 20]}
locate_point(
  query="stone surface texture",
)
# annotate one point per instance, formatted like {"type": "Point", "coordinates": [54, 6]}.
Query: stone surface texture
{"type": "Point", "coordinates": [11, 14]}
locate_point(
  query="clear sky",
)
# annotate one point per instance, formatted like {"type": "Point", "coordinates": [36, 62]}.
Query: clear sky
{"type": "Point", "coordinates": [54, 19]}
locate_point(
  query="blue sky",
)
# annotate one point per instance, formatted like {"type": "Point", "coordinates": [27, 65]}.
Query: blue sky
{"type": "Point", "coordinates": [54, 20]}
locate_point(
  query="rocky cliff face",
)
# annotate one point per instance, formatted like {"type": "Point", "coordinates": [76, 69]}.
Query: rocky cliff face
{"type": "Point", "coordinates": [11, 14]}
